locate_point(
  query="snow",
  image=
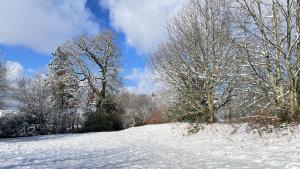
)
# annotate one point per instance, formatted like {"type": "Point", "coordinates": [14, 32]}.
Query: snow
{"type": "Point", "coordinates": [155, 146]}
{"type": "Point", "coordinates": [4, 112]}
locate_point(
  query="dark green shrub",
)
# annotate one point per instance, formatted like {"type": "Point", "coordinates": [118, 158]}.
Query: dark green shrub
{"type": "Point", "coordinates": [102, 121]}
{"type": "Point", "coordinates": [107, 117]}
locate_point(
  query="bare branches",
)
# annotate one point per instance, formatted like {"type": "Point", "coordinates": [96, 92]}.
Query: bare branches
{"type": "Point", "coordinates": [271, 42]}
{"type": "Point", "coordinates": [199, 60]}
{"type": "Point", "coordinates": [97, 60]}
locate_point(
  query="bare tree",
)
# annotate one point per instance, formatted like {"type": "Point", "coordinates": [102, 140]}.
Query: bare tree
{"type": "Point", "coordinates": [199, 60]}
{"type": "Point", "coordinates": [32, 100]}
{"type": "Point", "coordinates": [269, 32]}
{"type": "Point", "coordinates": [97, 61]}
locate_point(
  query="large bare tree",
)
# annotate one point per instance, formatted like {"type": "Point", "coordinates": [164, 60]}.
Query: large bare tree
{"type": "Point", "coordinates": [269, 32]}
{"type": "Point", "coordinates": [199, 60]}
{"type": "Point", "coordinates": [97, 61]}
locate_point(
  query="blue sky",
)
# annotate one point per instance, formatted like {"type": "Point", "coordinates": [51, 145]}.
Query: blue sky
{"type": "Point", "coordinates": [30, 30]}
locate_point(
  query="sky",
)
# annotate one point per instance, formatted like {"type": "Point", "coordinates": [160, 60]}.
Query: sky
{"type": "Point", "coordinates": [30, 30]}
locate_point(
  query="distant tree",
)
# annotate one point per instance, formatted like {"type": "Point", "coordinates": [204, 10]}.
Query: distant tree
{"type": "Point", "coordinates": [136, 108]}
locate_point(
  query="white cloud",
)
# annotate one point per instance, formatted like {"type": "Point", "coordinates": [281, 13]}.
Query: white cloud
{"type": "Point", "coordinates": [42, 25]}
{"type": "Point", "coordinates": [144, 82]}
{"type": "Point", "coordinates": [142, 21]}
{"type": "Point", "coordinates": [14, 70]}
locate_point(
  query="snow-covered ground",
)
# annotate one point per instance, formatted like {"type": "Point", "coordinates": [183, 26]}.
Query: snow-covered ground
{"type": "Point", "coordinates": [155, 146]}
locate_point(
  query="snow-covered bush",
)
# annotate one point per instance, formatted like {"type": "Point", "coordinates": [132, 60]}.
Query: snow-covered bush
{"type": "Point", "coordinates": [15, 124]}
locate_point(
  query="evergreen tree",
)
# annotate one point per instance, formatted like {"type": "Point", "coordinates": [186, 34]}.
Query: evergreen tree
{"type": "Point", "coordinates": [3, 84]}
{"type": "Point", "coordinates": [63, 84]}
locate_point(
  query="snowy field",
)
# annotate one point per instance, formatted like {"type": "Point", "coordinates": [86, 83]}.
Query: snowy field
{"type": "Point", "coordinates": [155, 146]}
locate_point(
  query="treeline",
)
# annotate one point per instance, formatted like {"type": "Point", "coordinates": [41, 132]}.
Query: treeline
{"type": "Point", "coordinates": [81, 92]}
{"type": "Point", "coordinates": [233, 60]}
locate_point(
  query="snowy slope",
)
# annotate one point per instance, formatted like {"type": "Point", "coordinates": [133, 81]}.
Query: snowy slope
{"type": "Point", "coordinates": [154, 146]}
